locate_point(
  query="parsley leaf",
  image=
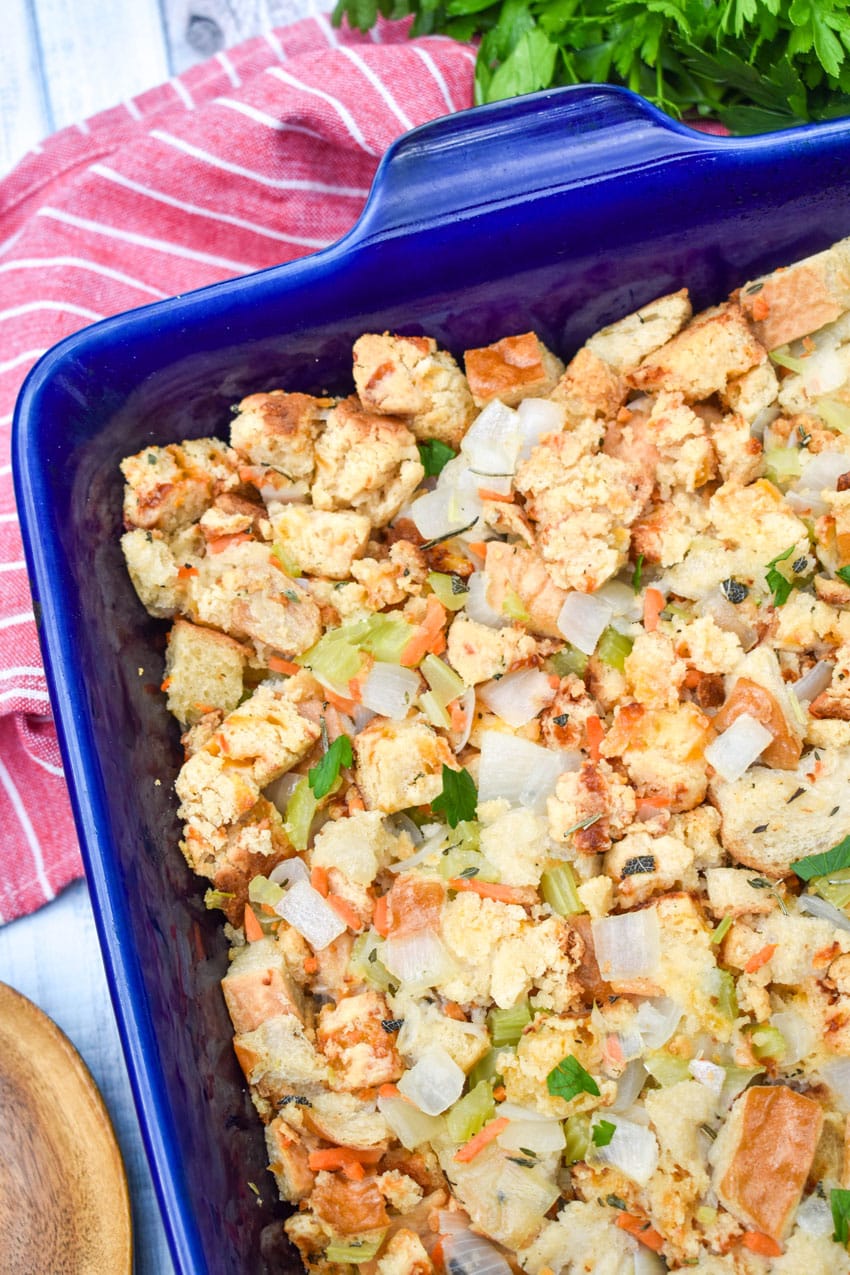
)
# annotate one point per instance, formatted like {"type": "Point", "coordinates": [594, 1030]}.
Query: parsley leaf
{"type": "Point", "coordinates": [843, 573]}
{"type": "Point", "coordinates": [435, 456]}
{"type": "Point", "coordinates": [325, 773]}
{"type": "Point", "coordinates": [637, 576]}
{"type": "Point", "coordinates": [840, 1203]}
{"type": "Point", "coordinates": [780, 586]}
{"type": "Point", "coordinates": [569, 1079]}
{"type": "Point", "coordinates": [459, 799]}
{"type": "Point", "coordinates": [602, 1133]}
{"type": "Point", "coordinates": [820, 865]}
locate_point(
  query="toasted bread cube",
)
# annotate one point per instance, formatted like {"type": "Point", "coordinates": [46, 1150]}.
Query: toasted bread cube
{"type": "Point", "coordinates": [359, 1051]}
{"type": "Point", "coordinates": [341, 1118]}
{"type": "Point", "coordinates": [168, 488]}
{"type": "Point", "coordinates": [730, 893]}
{"type": "Point", "coordinates": [258, 986]}
{"type": "Point", "coordinates": [203, 671]}
{"type": "Point", "coordinates": [763, 1154]}
{"type": "Point", "coordinates": [700, 360]}
{"type": "Point", "coordinates": [365, 462]}
{"type": "Point", "coordinates": [796, 300]}
{"type": "Point", "coordinates": [512, 369]}
{"type": "Point", "coordinates": [404, 1255]}
{"type": "Point", "coordinates": [288, 1161]}
{"type": "Point", "coordinates": [753, 392]}
{"type": "Point", "coordinates": [478, 652]}
{"type": "Point", "coordinates": [154, 572]}
{"type": "Point", "coordinates": [590, 387]}
{"type": "Point", "coordinates": [278, 1058]}
{"type": "Point", "coordinates": [627, 342]}
{"type": "Point", "coordinates": [409, 376]}
{"type": "Point", "coordinates": [348, 1208]}
{"type": "Point", "coordinates": [320, 542]}
{"type": "Point", "coordinates": [400, 764]}
{"type": "Point", "coordinates": [280, 430]}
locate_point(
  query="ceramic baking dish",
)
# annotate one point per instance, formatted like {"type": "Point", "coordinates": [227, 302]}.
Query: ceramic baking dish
{"type": "Point", "coordinates": [557, 212]}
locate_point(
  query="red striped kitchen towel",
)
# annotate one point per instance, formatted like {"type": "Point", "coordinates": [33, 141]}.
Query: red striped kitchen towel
{"type": "Point", "coordinates": [257, 156]}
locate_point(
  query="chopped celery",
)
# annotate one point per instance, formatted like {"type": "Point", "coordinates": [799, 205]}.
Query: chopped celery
{"type": "Point", "coordinates": [613, 648]}
{"type": "Point", "coordinates": [487, 1068]}
{"type": "Point", "coordinates": [386, 637]}
{"type": "Point", "coordinates": [365, 961]}
{"type": "Point", "coordinates": [505, 1025]}
{"type": "Point", "coordinates": [724, 990]}
{"type": "Point", "coordinates": [705, 1215]}
{"type": "Point", "coordinates": [434, 710]}
{"type": "Point", "coordinates": [782, 357]}
{"type": "Point", "coordinates": [767, 1043]}
{"type": "Point", "coordinates": [444, 681]}
{"type": "Point", "coordinates": [782, 465]}
{"type": "Point", "coordinates": [835, 887]}
{"type": "Point", "coordinates": [834, 414]}
{"type": "Point", "coordinates": [577, 1134]}
{"type": "Point", "coordinates": [558, 887]}
{"type": "Point", "coordinates": [262, 890]}
{"type": "Point", "coordinates": [471, 1113]}
{"type": "Point", "coordinates": [568, 660]}
{"type": "Point", "coordinates": [451, 590]}
{"type": "Point", "coordinates": [286, 561]}
{"type": "Point", "coordinates": [467, 834]}
{"type": "Point", "coordinates": [666, 1068]}
{"type": "Point", "coordinates": [347, 1249]}
{"type": "Point", "coordinates": [722, 928]}
{"type": "Point", "coordinates": [300, 812]}
{"type": "Point", "coordinates": [514, 607]}
{"type": "Point", "coordinates": [458, 862]}
{"type": "Point", "coordinates": [217, 898]}
{"type": "Point", "coordinates": [334, 659]}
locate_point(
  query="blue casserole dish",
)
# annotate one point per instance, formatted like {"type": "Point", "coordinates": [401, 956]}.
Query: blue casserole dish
{"type": "Point", "coordinates": [558, 212]}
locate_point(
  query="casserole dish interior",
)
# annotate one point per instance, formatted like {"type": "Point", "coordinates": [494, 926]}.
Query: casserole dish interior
{"type": "Point", "coordinates": [557, 213]}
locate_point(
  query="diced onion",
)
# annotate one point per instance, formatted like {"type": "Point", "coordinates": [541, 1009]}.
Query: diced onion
{"type": "Point", "coordinates": [467, 707]}
{"type": "Point", "coordinates": [514, 1111]}
{"type": "Point", "coordinates": [523, 773]}
{"type": "Point", "coordinates": [629, 1085]}
{"type": "Point", "coordinates": [290, 871]}
{"type": "Point", "coordinates": [621, 598]}
{"type": "Point", "coordinates": [434, 1082]}
{"type": "Point", "coordinates": [418, 959]}
{"type": "Point", "coordinates": [797, 1034]}
{"type": "Point", "coordinates": [733, 752]}
{"type": "Point", "coordinates": [491, 444]}
{"type": "Point", "coordinates": [822, 472]}
{"type": "Point", "coordinates": [726, 615]}
{"type": "Point", "coordinates": [451, 1221]}
{"type": "Point", "coordinates": [309, 914]}
{"type": "Point", "coordinates": [583, 619]}
{"type": "Point", "coordinates": [390, 690]}
{"type": "Point", "coordinates": [465, 1253]}
{"type": "Point", "coordinates": [444, 511]}
{"type": "Point", "coordinates": [431, 844]}
{"type": "Point", "coordinates": [815, 1216]}
{"type": "Point", "coordinates": [822, 372]}
{"type": "Point", "coordinates": [648, 1263]}
{"type": "Point", "coordinates": [709, 1074]}
{"type": "Point", "coordinates": [362, 717]}
{"type": "Point", "coordinates": [657, 1020]}
{"type": "Point", "coordinates": [836, 1073]}
{"type": "Point", "coordinates": [518, 697]}
{"type": "Point", "coordinates": [811, 684]}
{"type": "Point", "coordinates": [279, 792]}
{"type": "Point", "coordinates": [763, 419]}
{"type": "Point", "coordinates": [805, 503]}
{"type": "Point", "coordinates": [543, 1137]}
{"type": "Point", "coordinates": [633, 1150]}
{"type": "Point", "coordinates": [477, 606]}
{"type": "Point", "coordinates": [627, 946]}
{"type": "Point", "coordinates": [538, 417]}
{"type": "Point", "coordinates": [410, 1125]}
{"type": "Point", "coordinates": [813, 905]}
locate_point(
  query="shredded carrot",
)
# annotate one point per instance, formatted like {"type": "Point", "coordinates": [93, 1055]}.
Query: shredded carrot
{"type": "Point", "coordinates": [613, 1050]}
{"type": "Point", "coordinates": [354, 800]}
{"type": "Point", "coordinates": [760, 958]}
{"type": "Point", "coordinates": [594, 735]}
{"type": "Point", "coordinates": [479, 548]}
{"type": "Point", "coordinates": [624, 416]}
{"type": "Point", "coordinates": [761, 308]}
{"type": "Point", "coordinates": [491, 890]}
{"type": "Point", "coordinates": [319, 881]}
{"type": "Point", "coordinates": [437, 1255]}
{"type": "Point", "coordinates": [429, 636]}
{"type": "Point", "coordinates": [205, 708]}
{"type": "Point", "coordinates": [311, 965]}
{"type": "Point", "coordinates": [389, 1091]}
{"type": "Point", "coordinates": [554, 681]}
{"type": "Point", "coordinates": [453, 1010]}
{"type": "Point", "coordinates": [345, 912]}
{"type": "Point", "coordinates": [338, 701]}
{"type": "Point", "coordinates": [278, 665]}
{"type": "Point", "coordinates": [458, 716]}
{"type": "Point", "coordinates": [640, 1228]}
{"type": "Point", "coordinates": [653, 605]}
{"type": "Point", "coordinates": [500, 1093]}
{"type": "Point", "coordinates": [354, 1170]}
{"type": "Point", "coordinates": [220, 543]}
{"type": "Point", "coordinates": [381, 916]}
{"type": "Point", "coordinates": [486, 493]}
{"type": "Point", "coordinates": [268, 910]}
{"type": "Point", "coordinates": [355, 691]}
{"type": "Point", "coordinates": [338, 1157]}
{"type": "Point", "coordinates": [756, 1242]}
{"type": "Point", "coordinates": [825, 955]}
{"type": "Point", "coordinates": [253, 929]}
{"type": "Point", "coordinates": [163, 686]}
{"type": "Point", "coordinates": [184, 572]}
{"type": "Point", "coordinates": [481, 1140]}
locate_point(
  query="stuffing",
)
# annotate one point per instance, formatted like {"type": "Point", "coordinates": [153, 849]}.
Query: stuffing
{"type": "Point", "coordinates": [665, 531]}
{"type": "Point", "coordinates": [512, 369]}
{"type": "Point", "coordinates": [231, 856]}
{"type": "Point", "coordinates": [805, 623]}
{"type": "Point", "coordinates": [360, 1052]}
{"type": "Point", "coordinates": [700, 829]}
{"type": "Point", "coordinates": [700, 359]}
{"type": "Point", "coordinates": [168, 488]}
{"type": "Point", "coordinates": [740, 458]}
{"type": "Point", "coordinates": [688, 969]}
{"type": "Point", "coordinates": [686, 459]}
{"type": "Point", "coordinates": [597, 895]}
{"type": "Point", "coordinates": [409, 376]}
{"type": "Point", "coordinates": [279, 430]}
{"type": "Point", "coordinates": [590, 387]}
{"type": "Point", "coordinates": [541, 1047]}
{"type": "Point", "coordinates": [404, 1255]}
{"type": "Point", "coordinates": [629, 341]}
{"type": "Point", "coordinates": [564, 722]}
{"type": "Point", "coordinates": [731, 893]}
{"type": "Point", "coordinates": [764, 823]}
{"type": "Point", "coordinates": [154, 571]}
{"type": "Point", "coordinates": [393, 579]}
{"type": "Point", "coordinates": [514, 841]}
{"type": "Point", "coordinates": [365, 462]}
{"type": "Point", "coordinates": [643, 865]}
{"type": "Point", "coordinates": [662, 751]}
{"type": "Point", "coordinates": [834, 592]}
{"type": "Point", "coordinates": [654, 673]}
{"type": "Point", "coordinates": [751, 393]}
{"type": "Point", "coordinates": [321, 543]}
{"type": "Point", "coordinates": [807, 1254]}
{"type": "Point", "coordinates": [835, 700]}
{"type": "Point", "coordinates": [348, 1208]}
{"type": "Point", "coordinates": [278, 1058]}
{"type": "Point", "coordinates": [288, 1162]}
{"type": "Point", "coordinates": [514, 572]}
{"type": "Point", "coordinates": [233, 515]}
{"type": "Point", "coordinates": [677, 1115]}
{"type": "Point", "coordinates": [360, 846]}
{"type": "Point", "coordinates": [597, 796]}
{"type": "Point", "coordinates": [705, 646]}
{"type": "Point", "coordinates": [478, 653]}
{"type": "Point", "coordinates": [343, 1119]}
{"type": "Point", "coordinates": [426, 1025]}
{"type": "Point", "coordinates": [800, 298]}
{"type": "Point", "coordinates": [582, 1239]}
{"type": "Point", "coordinates": [203, 672]}
{"type": "Point", "coordinates": [258, 986]}
{"type": "Point", "coordinates": [756, 519]}
{"type": "Point", "coordinates": [400, 764]}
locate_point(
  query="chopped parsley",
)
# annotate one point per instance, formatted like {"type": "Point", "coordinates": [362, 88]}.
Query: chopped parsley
{"type": "Point", "coordinates": [780, 586]}
{"type": "Point", "coordinates": [839, 1201]}
{"type": "Point", "coordinates": [602, 1132]}
{"type": "Point", "coordinates": [637, 575]}
{"type": "Point", "coordinates": [325, 773]}
{"type": "Point", "coordinates": [820, 865]}
{"type": "Point", "coordinates": [569, 1079]}
{"type": "Point", "coordinates": [843, 573]}
{"type": "Point", "coordinates": [435, 456]}
{"type": "Point", "coordinates": [459, 799]}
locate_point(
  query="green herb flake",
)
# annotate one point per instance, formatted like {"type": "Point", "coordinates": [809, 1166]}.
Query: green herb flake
{"type": "Point", "coordinates": [637, 574]}
{"type": "Point", "coordinates": [435, 456]}
{"type": "Point", "coordinates": [459, 799]}
{"type": "Point", "coordinates": [602, 1132]}
{"type": "Point", "coordinates": [569, 1079]}
{"type": "Point", "coordinates": [780, 586]}
{"type": "Point", "coordinates": [839, 1201]}
{"type": "Point", "coordinates": [325, 773]}
{"type": "Point", "coordinates": [843, 573]}
{"type": "Point", "coordinates": [820, 865]}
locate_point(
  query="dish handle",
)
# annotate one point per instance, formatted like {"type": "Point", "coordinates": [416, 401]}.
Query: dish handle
{"type": "Point", "coordinates": [510, 151]}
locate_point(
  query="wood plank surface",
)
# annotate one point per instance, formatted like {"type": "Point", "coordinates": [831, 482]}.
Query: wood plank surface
{"type": "Point", "coordinates": [24, 113]}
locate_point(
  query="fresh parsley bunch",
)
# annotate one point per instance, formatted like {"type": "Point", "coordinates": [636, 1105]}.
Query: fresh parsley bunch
{"type": "Point", "coordinates": [755, 65]}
